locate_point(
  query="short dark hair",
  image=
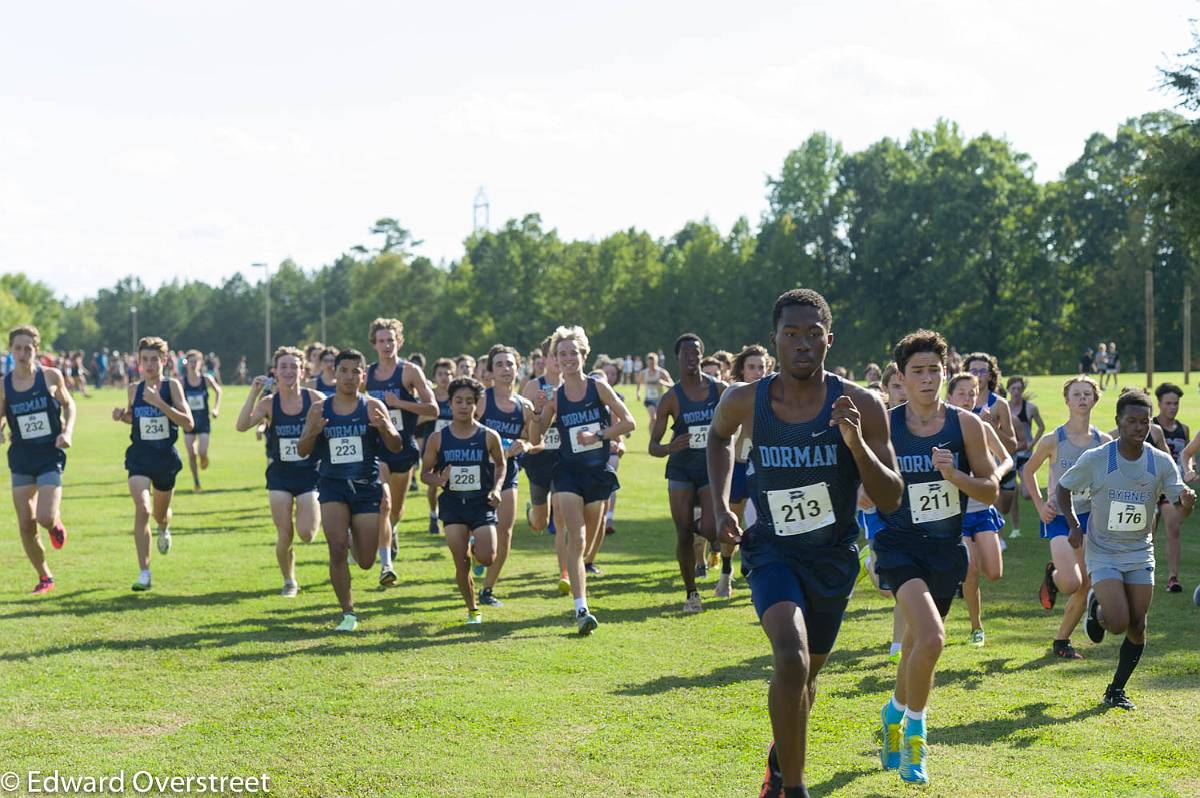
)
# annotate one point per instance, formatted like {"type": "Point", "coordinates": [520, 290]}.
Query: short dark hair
{"type": "Point", "coordinates": [349, 354]}
{"type": "Point", "coordinates": [443, 363]}
{"type": "Point", "coordinates": [1134, 397]}
{"type": "Point", "coordinates": [500, 349]}
{"type": "Point", "coordinates": [1166, 388]}
{"type": "Point", "coordinates": [802, 296]}
{"type": "Point", "coordinates": [681, 340]}
{"type": "Point", "coordinates": [418, 360]}
{"type": "Point", "coordinates": [917, 342]}
{"type": "Point", "coordinates": [469, 383]}
{"type": "Point", "coordinates": [993, 367]}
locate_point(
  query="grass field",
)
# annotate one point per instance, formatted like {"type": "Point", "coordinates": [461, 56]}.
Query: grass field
{"type": "Point", "coordinates": [214, 672]}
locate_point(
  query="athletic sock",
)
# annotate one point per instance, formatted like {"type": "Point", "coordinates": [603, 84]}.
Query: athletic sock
{"type": "Point", "coordinates": [580, 604]}
{"type": "Point", "coordinates": [385, 557]}
{"type": "Point", "coordinates": [726, 564]}
{"type": "Point", "coordinates": [433, 516]}
{"type": "Point", "coordinates": [145, 572]}
{"type": "Point", "coordinates": [1131, 654]}
{"type": "Point", "coordinates": [895, 711]}
{"type": "Point", "coordinates": [795, 792]}
{"type": "Point", "coordinates": [895, 649]}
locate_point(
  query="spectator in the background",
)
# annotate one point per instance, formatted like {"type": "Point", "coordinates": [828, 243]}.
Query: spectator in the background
{"type": "Point", "coordinates": [1085, 362]}
{"type": "Point", "coordinates": [214, 366]}
{"type": "Point", "coordinates": [242, 370]}
{"type": "Point", "coordinates": [1101, 364]}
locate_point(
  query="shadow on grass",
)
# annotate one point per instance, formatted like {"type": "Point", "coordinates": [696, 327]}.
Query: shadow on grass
{"type": "Point", "coordinates": [752, 669]}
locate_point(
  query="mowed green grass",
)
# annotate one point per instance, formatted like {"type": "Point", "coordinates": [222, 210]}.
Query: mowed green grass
{"type": "Point", "coordinates": [214, 672]}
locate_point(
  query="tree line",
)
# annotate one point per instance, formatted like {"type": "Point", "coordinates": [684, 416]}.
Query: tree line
{"type": "Point", "coordinates": [938, 230]}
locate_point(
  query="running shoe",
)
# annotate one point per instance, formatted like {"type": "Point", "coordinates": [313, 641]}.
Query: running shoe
{"type": "Point", "coordinates": [864, 556]}
{"type": "Point", "coordinates": [1016, 533]}
{"type": "Point", "coordinates": [290, 589]}
{"type": "Point", "coordinates": [487, 597]}
{"type": "Point", "coordinates": [1095, 630]}
{"type": "Point", "coordinates": [387, 577]}
{"type": "Point", "coordinates": [693, 603]}
{"type": "Point", "coordinates": [591, 568]}
{"type": "Point", "coordinates": [348, 623]}
{"type": "Point", "coordinates": [1115, 697]}
{"type": "Point", "coordinates": [1048, 592]}
{"type": "Point", "coordinates": [912, 759]}
{"type": "Point", "coordinates": [889, 748]}
{"type": "Point", "coordinates": [701, 571]}
{"type": "Point", "coordinates": [714, 559]}
{"type": "Point", "coordinates": [609, 530]}
{"type": "Point", "coordinates": [1173, 585]}
{"type": "Point", "coordinates": [58, 535]}
{"type": "Point", "coordinates": [978, 638]}
{"type": "Point", "coordinates": [474, 617]}
{"type": "Point", "coordinates": [44, 586]}
{"type": "Point", "coordinates": [564, 587]}
{"type": "Point", "coordinates": [772, 786]}
{"type": "Point", "coordinates": [478, 569]}
{"type": "Point", "coordinates": [896, 656]}
{"type": "Point", "coordinates": [585, 622]}
{"type": "Point", "coordinates": [433, 525]}
{"type": "Point", "coordinates": [395, 544]}
{"type": "Point", "coordinates": [142, 582]}
{"type": "Point", "coordinates": [164, 540]}
{"type": "Point", "coordinates": [724, 587]}
{"type": "Point", "coordinates": [1064, 649]}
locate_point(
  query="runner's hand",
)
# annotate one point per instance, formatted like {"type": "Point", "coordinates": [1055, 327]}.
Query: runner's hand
{"type": "Point", "coordinates": [1187, 499]}
{"type": "Point", "coordinates": [728, 529]}
{"type": "Point", "coordinates": [1075, 538]}
{"type": "Point", "coordinates": [679, 443]}
{"type": "Point", "coordinates": [1047, 513]}
{"type": "Point", "coordinates": [943, 461]}
{"type": "Point", "coordinates": [63, 442]}
{"type": "Point", "coordinates": [493, 498]}
{"type": "Point", "coordinates": [845, 415]}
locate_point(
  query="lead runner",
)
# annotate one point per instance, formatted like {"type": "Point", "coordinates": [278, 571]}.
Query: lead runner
{"type": "Point", "coordinates": [816, 438]}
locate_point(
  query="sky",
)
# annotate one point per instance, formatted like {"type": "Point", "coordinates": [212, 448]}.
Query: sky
{"type": "Point", "coordinates": [190, 140]}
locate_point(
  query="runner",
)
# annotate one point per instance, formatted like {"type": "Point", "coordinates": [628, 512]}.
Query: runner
{"type": "Point", "coordinates": [1175, 433]}
{"type": "Point", "coordinates": [725, 365]}
{"type": "Point", "coordinates": [323, 381]}
{"type": "Point", "coordinates": [651, 382]}
{"type": "Point", "coordinates": [870, 520]}
{"type": "Point", "coordinates": [1125, 478]}
{"type": "Point", "coordinates": [466, 460]}
{"type": "Point", "coordinates": [155, 410]}
{"type": "Point", "coordinates": [587, 415]}
{"type": "Point", "coordinates": [402, 387]}
{"type": "Point", "coordinates": [981, 523]}
{"type": "Point", "coordinates": [995, 410]}
{"type": "Point", "coordinates": [816, 439]}
{"type": "Point", "coordinates": [465, 365]}
{"type": "Point", "coordinates": [195, 387]}
{"type": "Point", "coordinates": [508, 414]}
{"type": "Point", "coordinates": [1025, 416]}
{"type": "Point", "coordinates": [943, 457]}
{"type": "Point", "coordinates": [711, 367]}
{"type": "Point", "coordinates": [36, 404]}
{"type": "Point", "coordinates": [690, 404]}
{"type": "Point", "coordinates": [539, 466]}
{"type": "Point", "coordinates": [750, 365]}
{"type": "Point", "coordinates": [443, 368]}
{"type": "Point", "coordinates": [291, 479]}
{"type": "Point", "coordinates": [312, 358]}
{"type": "Point", "coordinates": [347, 432]}
{"type": "Point", "coordinates": [611, 371]}
{"type": "Point", "coordinates": [1066, 572]}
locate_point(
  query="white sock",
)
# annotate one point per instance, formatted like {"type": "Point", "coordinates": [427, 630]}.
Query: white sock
{"type": "Point", "coordinates": [144, 575]}
{"type": "Point", "coordinates": [896, 705]}
{"type": "Point", "coordinates": [385, 557]}
{"type": "Point", "coordinates": [608, 517]}
{"type": "Point", "coordinates": [914, 714]}
{"type": "Point", "coordinates": [895, 647]}
{"type": "Point", "coordinates": [433, 516]}
{"type": "Point", "coordinates": [580, 604]}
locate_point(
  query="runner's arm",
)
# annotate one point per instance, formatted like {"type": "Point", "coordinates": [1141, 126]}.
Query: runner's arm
{"type": "Point", "coordinates": [872, 450]}
{"type": "Point", "coordinates": [735, 409]}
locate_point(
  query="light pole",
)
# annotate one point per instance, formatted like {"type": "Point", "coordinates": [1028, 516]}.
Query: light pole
{"type": "Point", "coordinates": [267, 327]}
{"type": "Point", "coordinates": [133, 319]}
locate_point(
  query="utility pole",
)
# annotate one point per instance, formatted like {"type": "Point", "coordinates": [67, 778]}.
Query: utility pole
{"type": "Point", "coordinates": [1149, 329]}
{"type": "Point", "coordinates": [1187, 333]}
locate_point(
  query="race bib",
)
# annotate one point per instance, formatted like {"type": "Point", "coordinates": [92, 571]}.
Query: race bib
{"type": "Point", "coordinates": [289, 450]}
{"type": "Point", "coordinates": [932, 501]}
{"type": "Point", "coordinates": [153, 428]}
{"type": "Point", "coordinates": [465, 478]}
{"type": "Point", "coordinates": [744, 454]}
{"type": "Point", "coordinates": [441, 424]}
{"type": "Point", "coordinates": [33, 425]}
{"type": "Point", "coordinates": [796, 511]}
{"type": "Point", "coordinates": [345, 450]}
{"type": "Point", "coordinates": [196, 401]}
{"type": "Point", "coordinates": [1127, 517]}
{"type": "Point", "coordinates": [397, 419]}
{"type": "Point", "coordinates": [698, 436]}
{"type": "Point", "coordinates": [551, 440]}
{"type": "Point", "coordinates": [579, 448]}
